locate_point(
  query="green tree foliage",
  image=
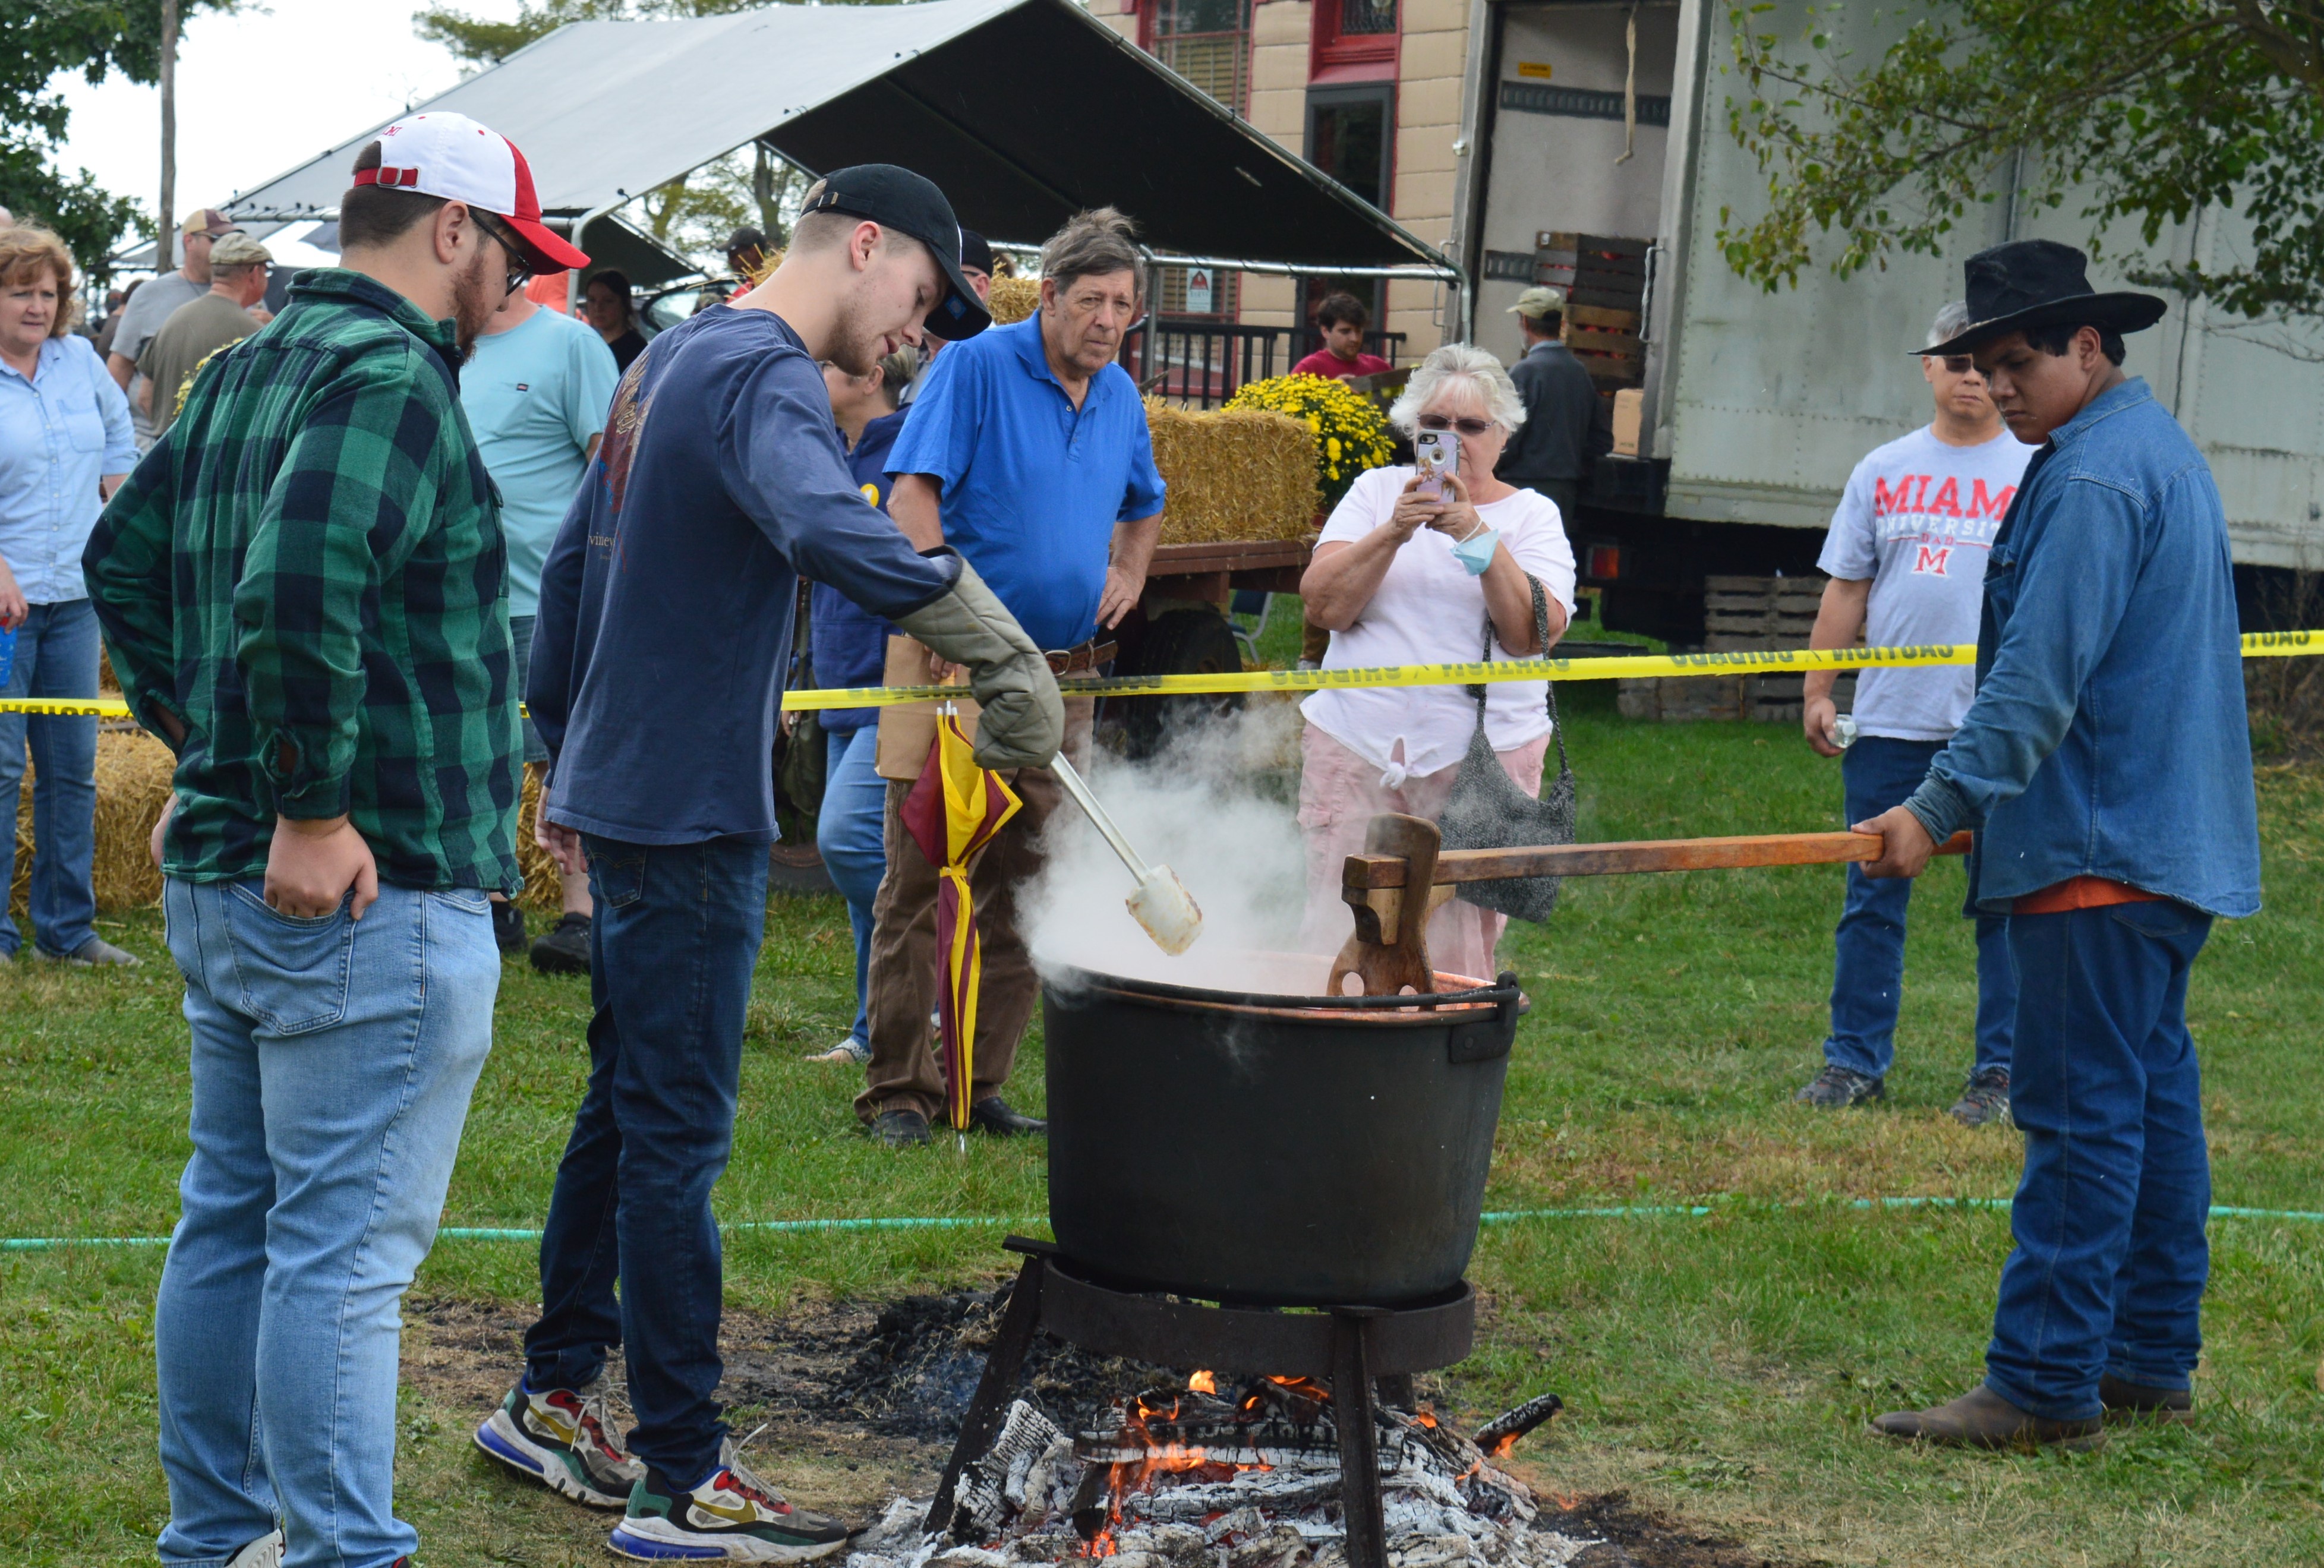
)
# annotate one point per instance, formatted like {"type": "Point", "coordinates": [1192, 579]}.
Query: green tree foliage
{"type": "Point", "coordinates": [2146, 110]}
{"type": "Point", "coordinates": [44, 38]}
{"type": "Point", "coordinates": [692, 214]}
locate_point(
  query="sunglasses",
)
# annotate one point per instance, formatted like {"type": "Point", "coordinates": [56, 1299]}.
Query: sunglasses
{"type": "Point", "coordinates": [520, 270]}
{"type": "Point", "coordinates": [1959, 364]}
{"type": "Point", "coordinates": [1475, 429]}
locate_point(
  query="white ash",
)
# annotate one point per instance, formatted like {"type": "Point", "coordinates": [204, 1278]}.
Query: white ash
{"type": "Point", "coordinates": [1443, 1503]}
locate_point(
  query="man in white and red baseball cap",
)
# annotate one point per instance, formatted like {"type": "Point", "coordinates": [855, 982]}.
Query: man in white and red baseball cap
{"type": "Point", "coordinates": [308, 574]}
{"type": "Point", "coordinates": [452, 157]}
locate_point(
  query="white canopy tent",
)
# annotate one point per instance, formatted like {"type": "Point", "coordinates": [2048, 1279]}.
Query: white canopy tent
{"type": "Point", "coordinates": [1023, 111]}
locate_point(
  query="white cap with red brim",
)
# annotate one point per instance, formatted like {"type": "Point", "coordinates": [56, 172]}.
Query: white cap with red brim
{"type": "Point", "coordinates": [453, 157]}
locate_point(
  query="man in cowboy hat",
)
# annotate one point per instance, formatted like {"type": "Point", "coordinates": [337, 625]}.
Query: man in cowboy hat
{"type": "Point", "coordinates": [2106, 767]}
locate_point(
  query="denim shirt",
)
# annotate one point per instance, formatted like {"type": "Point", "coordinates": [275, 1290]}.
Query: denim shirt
{"type": "Point", "coordinates": [60, 433]}
{"type": "Point", "coordinates": [2108, 736]}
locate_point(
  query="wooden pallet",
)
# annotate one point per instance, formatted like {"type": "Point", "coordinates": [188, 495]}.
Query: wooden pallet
{"type": "Point", "coordinates": [1744, 615]}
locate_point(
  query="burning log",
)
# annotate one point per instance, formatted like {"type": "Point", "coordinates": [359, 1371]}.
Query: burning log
{"type": "Point", "coordinates": [1187, 1478]}
{"type": "Point", "coordinates": [1501, 1434]}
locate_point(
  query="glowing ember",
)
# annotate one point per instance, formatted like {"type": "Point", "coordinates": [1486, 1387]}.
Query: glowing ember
{"type": "Point", "coordinates": [1193, 1478]}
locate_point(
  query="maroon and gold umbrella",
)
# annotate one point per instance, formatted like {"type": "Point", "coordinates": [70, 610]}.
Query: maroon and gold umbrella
{"type": "Point", "coordinates": [954, 810]}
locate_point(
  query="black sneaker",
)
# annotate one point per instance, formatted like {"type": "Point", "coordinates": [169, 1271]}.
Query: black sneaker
{"type": "Point", "coordinates": [994, 1115]}
{"type": "Point", "coordinates": [508, 928]}
{"type": "Point", "coordinates": [1985, 1101]}
{"type": "Point", "coordinates": [900, 1129]}
{"type": "Point", "coordinates": [1837, 1086]}
{"type": "Point", "coordinates": [732, 1516]}
{"type": "Point", "coordinates": [566, 949]}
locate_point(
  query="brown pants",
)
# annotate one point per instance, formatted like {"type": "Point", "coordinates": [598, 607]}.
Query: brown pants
{"type": "Point", "coordinates": [906, 974]}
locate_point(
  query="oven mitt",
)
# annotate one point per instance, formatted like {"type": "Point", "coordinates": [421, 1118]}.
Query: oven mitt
{"type": "Point", "coordinates": [1024, 719]}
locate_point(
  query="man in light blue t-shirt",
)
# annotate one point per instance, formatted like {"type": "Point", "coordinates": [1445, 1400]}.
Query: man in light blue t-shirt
{"type": "Point", "coordinates": [1906, 553]}
{"type": "Point", "coordinates": [536, 392]}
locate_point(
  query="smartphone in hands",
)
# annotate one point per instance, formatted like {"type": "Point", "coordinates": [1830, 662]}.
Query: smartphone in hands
{"type": "Point", "coordinates": [1438, 454]}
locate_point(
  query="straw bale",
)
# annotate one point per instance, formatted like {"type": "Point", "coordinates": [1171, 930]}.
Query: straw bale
{"type": "Point", "coordinates": [1013, 299]}
{"type": "Point", "coordinates": [1234, 474]}
{"type": "Point", "coordinates": [133, 784]}
{"type": "Point", "coordinates": [540, 895]}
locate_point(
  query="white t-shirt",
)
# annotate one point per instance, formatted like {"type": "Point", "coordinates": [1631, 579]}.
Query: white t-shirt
{"type": "Point", "coordinates": [1430, 611]}
{"type": "Point", "coordinates": [1918, 517]}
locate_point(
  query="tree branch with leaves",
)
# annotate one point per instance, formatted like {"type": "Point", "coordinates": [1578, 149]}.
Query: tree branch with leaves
{"type": "Point", "coordinates": [43, 39]}
{"type": "Point", "coordinates": [2145, 111]}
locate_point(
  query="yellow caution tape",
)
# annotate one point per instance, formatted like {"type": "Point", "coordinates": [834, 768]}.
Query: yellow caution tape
{"type": "Point", "coordinates": [1626, 667]}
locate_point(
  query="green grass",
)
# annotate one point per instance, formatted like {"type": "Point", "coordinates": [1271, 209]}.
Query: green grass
{"type": "Point", "coordinates": [1720, 1367]}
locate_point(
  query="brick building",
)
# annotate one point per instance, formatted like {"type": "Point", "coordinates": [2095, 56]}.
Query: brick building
{"type": "Point", "coordinates": [1367, 90]}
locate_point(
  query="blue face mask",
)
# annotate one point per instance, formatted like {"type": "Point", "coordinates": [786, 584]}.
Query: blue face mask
{"type": "Point", "coordinates": [1476, 552]}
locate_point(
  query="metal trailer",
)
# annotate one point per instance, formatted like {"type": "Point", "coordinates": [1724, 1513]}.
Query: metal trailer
{"type": "Point", "coordinates": [1756, 406]}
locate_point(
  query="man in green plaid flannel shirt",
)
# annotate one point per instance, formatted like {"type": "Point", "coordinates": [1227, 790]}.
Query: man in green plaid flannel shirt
{"type": "Point", "coordinates": [302, 587]}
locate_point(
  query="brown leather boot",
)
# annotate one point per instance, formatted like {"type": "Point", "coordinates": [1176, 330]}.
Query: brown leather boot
{"type": "Point", "coordinates": [2134, 1401]}
{"type": "Point", "coordinates": [1982, 1418]}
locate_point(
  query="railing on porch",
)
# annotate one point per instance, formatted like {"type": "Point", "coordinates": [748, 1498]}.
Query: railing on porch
{"type": "Point", "coordinates": [1203, 362]}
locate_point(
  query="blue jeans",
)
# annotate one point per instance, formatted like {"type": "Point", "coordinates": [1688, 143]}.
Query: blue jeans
{"type": "Point", "coordinates": [671, 950]}
{"type": "Point", "coordinates": [57, 651]}
{"type": "Point", "coordinates": [849, 837]}
{"type": "Point", "coordinates": [332, 1063]}
{"type": "Point", "coordinates": [1868, 978]}
{"type": "Point", "coordinates": [2111, 1261]}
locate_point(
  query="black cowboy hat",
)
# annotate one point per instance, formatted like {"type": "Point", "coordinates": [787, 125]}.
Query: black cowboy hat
{"type": "Point", "coordinates": [2039, 283]}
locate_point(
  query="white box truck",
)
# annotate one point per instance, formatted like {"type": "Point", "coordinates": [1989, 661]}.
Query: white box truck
{"type": "Point", "coordinates": [1757, 405]}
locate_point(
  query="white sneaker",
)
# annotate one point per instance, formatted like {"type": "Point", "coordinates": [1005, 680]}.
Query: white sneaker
{"type": "Point", "coordinates": [266, 1551]}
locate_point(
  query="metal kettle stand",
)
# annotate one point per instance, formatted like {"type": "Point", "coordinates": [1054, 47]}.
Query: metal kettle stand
{"type": "Point", "coordinates": [1349, 1346]}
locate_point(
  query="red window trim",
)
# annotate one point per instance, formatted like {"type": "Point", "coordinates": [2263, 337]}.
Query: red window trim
{"type": "Point", "coordinates": [1333, 52]}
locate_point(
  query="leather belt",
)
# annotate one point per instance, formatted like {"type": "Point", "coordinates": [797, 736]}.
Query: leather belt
{"type": "Point", "coordinates": [1090, 655]}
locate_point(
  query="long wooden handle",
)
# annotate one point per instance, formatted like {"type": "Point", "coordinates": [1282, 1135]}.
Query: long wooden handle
{"type": "Point", "coordinates": [1660, 855]}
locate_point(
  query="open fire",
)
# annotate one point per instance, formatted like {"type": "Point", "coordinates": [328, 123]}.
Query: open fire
{"type": "Point", "coordinates": [1193, 1477]}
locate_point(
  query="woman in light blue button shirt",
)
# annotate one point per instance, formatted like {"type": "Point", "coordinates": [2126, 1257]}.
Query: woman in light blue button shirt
{"type": "Point", "coordinates": [65, 446]}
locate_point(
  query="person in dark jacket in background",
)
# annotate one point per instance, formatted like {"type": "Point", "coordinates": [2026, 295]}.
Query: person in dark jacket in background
{"type": "Point", "coordinates": [1567, 426]}
{"type": "Point", "coordinates": [848, 646]}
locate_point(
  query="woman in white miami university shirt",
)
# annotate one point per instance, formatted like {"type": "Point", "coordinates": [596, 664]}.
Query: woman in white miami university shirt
{"type": "Point", "coordinates": [1906, 553]}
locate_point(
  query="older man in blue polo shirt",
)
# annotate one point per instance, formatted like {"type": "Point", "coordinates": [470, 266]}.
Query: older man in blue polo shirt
{"type": "Point", "coordinates": [1026, 452]}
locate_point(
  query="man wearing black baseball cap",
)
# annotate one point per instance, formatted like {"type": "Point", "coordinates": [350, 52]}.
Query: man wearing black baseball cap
{"type": "Point", "coordinates": [901, 201]}
{"type": "Point", "coordinates": [2106, 763]}
{"type": "Point", "coordinates": [659, 657]}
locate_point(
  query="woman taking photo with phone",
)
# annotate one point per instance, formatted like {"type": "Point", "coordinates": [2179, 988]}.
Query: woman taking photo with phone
{"type": "Point", "coordinates": [1403, 576]}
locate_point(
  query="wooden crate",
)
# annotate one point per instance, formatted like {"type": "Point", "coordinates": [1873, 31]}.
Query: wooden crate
{"type": "Point", "coordinates": [1684, 698]}
{"type": "Point", "coordinates": [1596, 270]}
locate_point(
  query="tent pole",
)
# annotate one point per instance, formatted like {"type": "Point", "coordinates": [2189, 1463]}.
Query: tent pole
{"type": "Point", "coordinates": [573, 282]}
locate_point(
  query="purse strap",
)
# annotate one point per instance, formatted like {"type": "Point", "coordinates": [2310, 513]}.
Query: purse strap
{"type": "Point", "coordinates": [1540, 640]}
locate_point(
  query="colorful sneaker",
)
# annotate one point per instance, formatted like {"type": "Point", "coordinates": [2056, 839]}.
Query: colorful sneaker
{"type": "Point", "coordinates": [731, 1516]}
{"type": "Point", "coordinates": [559, 1439]}
{"type": "Point", "coordinates": [1836, 1087]}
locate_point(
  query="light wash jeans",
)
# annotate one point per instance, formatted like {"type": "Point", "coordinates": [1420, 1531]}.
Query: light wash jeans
{"type": "Point", "coordinates": [849, 835]}
{"type": "Point", "coordinates": [57, 651]}
{"type": "Point", "coordinates": [332, 1063]}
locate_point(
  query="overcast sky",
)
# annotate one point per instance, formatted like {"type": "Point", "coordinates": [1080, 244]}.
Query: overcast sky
{"type": "Point", "coordinates": [259, 93]}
